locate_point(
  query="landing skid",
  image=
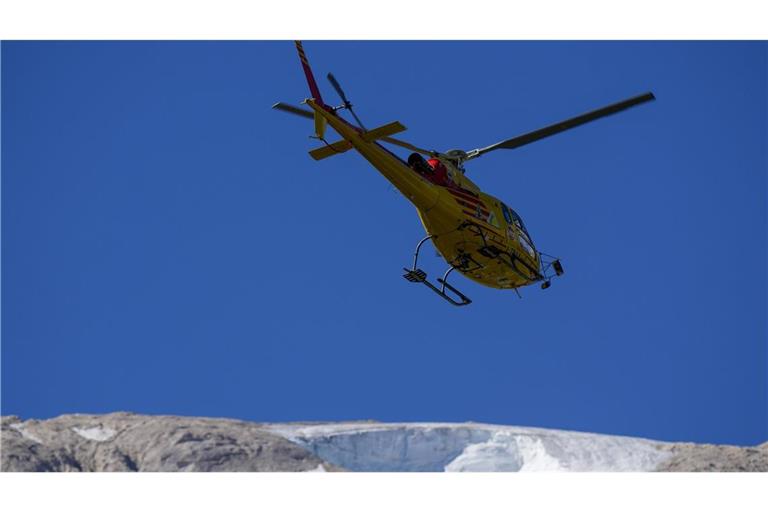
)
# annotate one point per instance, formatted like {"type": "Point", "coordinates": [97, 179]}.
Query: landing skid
{"type": "Point", "coordinates": [416, 275]}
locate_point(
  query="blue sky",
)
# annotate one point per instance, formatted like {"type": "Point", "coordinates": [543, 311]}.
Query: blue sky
{"type": "Point", "coordinates": [168, 246]}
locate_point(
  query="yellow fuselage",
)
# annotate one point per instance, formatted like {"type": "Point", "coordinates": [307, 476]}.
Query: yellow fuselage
{"type": "Point", "coordinates": [468, 226]}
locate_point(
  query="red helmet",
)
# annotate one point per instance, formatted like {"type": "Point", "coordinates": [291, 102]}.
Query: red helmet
{"type": "Point", "coordinates": [434, 163]}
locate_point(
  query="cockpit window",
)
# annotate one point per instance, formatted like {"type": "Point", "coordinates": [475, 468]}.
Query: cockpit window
{"type": "Point", "coordinates": [513, 218]}
{"type": "Point", "coordinates": [518, 221]}
{"type": "Point", "coordinates": [507, 215]}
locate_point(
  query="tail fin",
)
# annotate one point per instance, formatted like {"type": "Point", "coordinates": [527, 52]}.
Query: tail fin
{"type": "Point", "coordinates": [308, 72]}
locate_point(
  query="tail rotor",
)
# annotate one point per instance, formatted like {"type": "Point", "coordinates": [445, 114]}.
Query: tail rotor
{"type": "Point", "coordinates": [347, 104]}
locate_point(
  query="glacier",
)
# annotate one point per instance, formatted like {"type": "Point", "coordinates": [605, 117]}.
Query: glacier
{"type": "Point", "coordinates": [460, 447]}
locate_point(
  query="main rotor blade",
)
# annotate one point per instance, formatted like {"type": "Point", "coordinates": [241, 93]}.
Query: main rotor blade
{"type": "Point", "coordinates": [527, 138]}
{"type": "Point", "coordinates": [407, 145]}
{"type": "Point", "coordinates": [285, 107]}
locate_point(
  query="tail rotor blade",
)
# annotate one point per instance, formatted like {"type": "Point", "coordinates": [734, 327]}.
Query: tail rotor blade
{"type": "Point", "coordinates": [359, 122]}
{"type": "Point", "coordinates": [347, 103]}
{"type": "Point", "coordinates": [339, 90]}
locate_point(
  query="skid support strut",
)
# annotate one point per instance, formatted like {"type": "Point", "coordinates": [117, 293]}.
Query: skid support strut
{"type": "Point", "coordinates": [416, 275]}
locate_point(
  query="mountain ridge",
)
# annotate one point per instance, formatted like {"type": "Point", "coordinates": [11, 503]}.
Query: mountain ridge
{"type": "Point", "coordinates": [124, 441]}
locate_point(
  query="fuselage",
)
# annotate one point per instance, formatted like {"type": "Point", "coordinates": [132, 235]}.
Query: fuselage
{"type": "Point", "coordinates": [475, 232]}
{"type": "Point", "coordinates": [482, 237]}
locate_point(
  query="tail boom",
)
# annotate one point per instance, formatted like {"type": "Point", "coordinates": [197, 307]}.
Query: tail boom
{"type": "Point", "coordinates": [417, 189]}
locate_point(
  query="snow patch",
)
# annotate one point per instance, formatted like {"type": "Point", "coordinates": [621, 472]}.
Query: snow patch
{"type": "Point", "coordinates": [21, 429]}
{"type": "Point", "coordinates": [506, 452]}
{"type": "Point", "coordinates": [95, 433]}
{"type": "Point", "coordinates": [470, 447]}
{"type": "Point", "coordinates": [319, 469]}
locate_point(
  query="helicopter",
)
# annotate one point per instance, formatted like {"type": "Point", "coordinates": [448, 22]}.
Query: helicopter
{"type": "Point", "coordinates": [476, 233]}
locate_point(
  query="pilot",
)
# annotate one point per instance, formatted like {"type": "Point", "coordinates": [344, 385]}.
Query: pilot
{"type": "Point", "coordinates": [418, 164]}
{"type": "Point", "coordinates": [440, 176]}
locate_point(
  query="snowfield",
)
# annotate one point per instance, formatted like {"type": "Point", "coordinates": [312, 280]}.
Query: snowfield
{"type": "Point", "coordinates": [470, 447]}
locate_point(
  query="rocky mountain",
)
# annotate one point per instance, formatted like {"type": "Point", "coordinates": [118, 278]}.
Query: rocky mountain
{"type": "Point", "coordinates": [132, 442]}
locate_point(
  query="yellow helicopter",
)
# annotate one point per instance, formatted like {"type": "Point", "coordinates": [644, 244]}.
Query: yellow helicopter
{"type": "Point", "coordinates": [475, 232]}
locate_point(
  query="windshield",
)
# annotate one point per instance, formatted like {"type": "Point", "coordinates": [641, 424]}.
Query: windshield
{"type": "Point", "coordinates": [512, 217]}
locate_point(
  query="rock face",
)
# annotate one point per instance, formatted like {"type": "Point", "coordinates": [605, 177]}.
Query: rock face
{"type": "Point", "coordinates": [131, 442]}
{"type": "Point", "coordinates": [709, 457]}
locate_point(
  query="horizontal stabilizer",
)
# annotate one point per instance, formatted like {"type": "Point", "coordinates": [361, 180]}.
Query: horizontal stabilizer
{"type": "Point", "coordinates": [330, 150]}
{"type": "Point", "coordinates": [383, 131]}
